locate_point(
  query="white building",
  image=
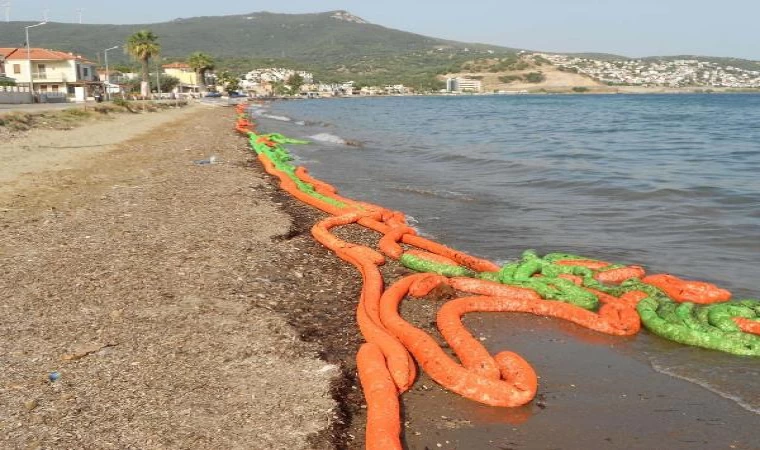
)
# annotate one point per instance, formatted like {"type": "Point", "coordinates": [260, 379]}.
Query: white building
{"type": "Point", "coordinates": [51, 71]}
{"type": "Point", "coordinates": [463, 84]}
{"type": "Point", "coordinates": [273, 74]}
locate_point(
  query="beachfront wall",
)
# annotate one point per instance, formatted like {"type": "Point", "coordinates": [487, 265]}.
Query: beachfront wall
{"type": "Point", "coordinates": [14, 95]}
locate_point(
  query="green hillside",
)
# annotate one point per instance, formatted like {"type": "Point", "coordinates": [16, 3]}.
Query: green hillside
{"type": "Point", "coordinates": [335, 45]}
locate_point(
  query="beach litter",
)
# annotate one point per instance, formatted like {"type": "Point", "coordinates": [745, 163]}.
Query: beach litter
{"type": "Point", "coordinates": [204, 162]}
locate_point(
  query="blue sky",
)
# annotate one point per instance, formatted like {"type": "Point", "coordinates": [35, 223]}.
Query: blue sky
{"type": "Point", "coordinates": [631, 27]}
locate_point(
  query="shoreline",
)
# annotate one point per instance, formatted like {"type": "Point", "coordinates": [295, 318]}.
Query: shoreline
{"type": "Point", "coordinates": [568, 91]}
{"type": "Point", "coordinates": [580, 371]}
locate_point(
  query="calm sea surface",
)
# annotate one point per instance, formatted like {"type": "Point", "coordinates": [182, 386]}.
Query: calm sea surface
{"type": "Point", "coordinates": [671, 182]}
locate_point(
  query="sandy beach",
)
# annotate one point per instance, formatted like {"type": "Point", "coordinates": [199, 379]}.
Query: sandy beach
{"type": "Point", "coordinates": [163, 291]}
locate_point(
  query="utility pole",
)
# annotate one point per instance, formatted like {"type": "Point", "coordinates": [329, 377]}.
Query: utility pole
{"type": "Point", "coordinates": [158, 77]}
{"type": "Point", "coordinates": [80, 11]}
{"type": "Point", "coordinates": [29, 59]}
{"type": "Point", "coordinates": [108, 77]}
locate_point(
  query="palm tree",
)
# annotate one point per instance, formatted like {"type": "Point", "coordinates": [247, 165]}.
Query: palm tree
{"type": "Point", "coordinates": [201, 62]}
{"type": "Point", "coordinates": [143, 45]}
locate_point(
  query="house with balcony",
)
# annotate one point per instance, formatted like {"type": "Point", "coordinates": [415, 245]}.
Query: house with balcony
{"type": "Point", "coordinates": [52, 71]}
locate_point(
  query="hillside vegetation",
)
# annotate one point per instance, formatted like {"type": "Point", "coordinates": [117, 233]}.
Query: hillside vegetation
{"type": "Point", "coordinates": [335, 45]}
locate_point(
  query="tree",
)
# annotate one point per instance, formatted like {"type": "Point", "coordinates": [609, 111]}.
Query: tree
{"type": "Point", "coordinates": [142, 46]}
{"type": "Point", "coordinates": [295, 82]}
{"type": "Point", "coordinates": [123, 68]}
{"type": "Point", "coordinates": [230, 82]}
{"type": "Point", "coordinates": [535, 77]}
{"type": "Point", "coordinates": [279, 88]}
{"type": "Point", "coordinates": [201, 62]}
{"type": "Point", "coordinates": [168, 83]}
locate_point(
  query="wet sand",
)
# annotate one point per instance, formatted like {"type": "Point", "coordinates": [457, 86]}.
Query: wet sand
{"type": "Point", "coordinates": [592, 394]}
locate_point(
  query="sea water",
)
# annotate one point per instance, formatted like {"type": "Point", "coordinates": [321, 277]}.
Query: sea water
{"type": "Point", "coordinates": [669, 182]}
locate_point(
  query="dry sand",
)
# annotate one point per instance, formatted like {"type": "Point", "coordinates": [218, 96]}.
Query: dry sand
{"type": "Point", "coordinates": [41, 151]}
{"type": "Point", "coordinates": [163, 292]}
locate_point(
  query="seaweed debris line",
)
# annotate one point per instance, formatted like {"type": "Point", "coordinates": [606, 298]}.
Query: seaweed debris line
{"type": "Point", "coordinates": [609, 298]}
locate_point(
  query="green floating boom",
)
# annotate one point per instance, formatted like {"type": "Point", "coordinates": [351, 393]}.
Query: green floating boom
{"type": "Point", "coordinates": [281, 159]}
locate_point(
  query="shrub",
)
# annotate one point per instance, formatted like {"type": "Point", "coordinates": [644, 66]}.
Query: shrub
{"type": "Point", "coordinates": [119, 101]}
{"type": "Point", "coordinates": [580, 89]}
{"type": "Point", "coordinates": [535, 77]}
{"type": "Point", "coordinates": [76, 112]}
{"type": "Point", "coordinates": [509, 78]}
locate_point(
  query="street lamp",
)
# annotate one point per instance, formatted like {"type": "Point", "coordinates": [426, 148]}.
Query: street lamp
{"type": "Point", "coordinates": [29, 58]}
{"type": "Point", "coordinates": [158, 78]}
{"type": "Point", "coordinates": [108, 78]}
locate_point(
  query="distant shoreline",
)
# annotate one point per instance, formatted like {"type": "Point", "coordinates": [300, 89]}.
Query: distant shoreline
{"type": "Point", "coordinates": [617, 91]}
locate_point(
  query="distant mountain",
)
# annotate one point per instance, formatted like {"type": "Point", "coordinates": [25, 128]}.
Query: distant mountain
{"type": "Point", "coordinates": [335, 45]}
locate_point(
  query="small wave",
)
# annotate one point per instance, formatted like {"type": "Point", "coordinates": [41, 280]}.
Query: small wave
{"type": "Point", "coordinates": [329, 138]}
{"type": "Point", "coordinates": [317, 123]}
{"type": "Point", "coordinates": [280, 118]}
{"type": "Point", "coordinates": [300, 122]}
{"type": "Point", "coordinates": [444, 194]}
{"type": "Point", "coordinates": [415, 225]}
{"type": "Point", "coordinates": [735, 398]}
{"type": "Point", "coordinates": [333, 139]}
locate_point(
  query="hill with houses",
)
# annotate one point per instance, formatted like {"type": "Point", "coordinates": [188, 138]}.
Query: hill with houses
{"type": "Point", "coordinates": [337, 46]}
{"type": "Point", "coordinates": [334, 45]}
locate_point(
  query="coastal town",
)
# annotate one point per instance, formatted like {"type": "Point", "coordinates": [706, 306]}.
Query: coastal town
{"type": "Point", "coordinates": [657, 72]}
{"type": "Point", "coordinates": [60, 76]}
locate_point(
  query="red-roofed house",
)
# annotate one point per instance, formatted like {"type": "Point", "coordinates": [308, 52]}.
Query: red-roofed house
{"type": "Point", "coordinates": [52, 70]}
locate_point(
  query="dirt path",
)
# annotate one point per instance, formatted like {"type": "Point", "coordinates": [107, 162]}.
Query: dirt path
{"type": "Point", "coordinates": [171, 297]}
